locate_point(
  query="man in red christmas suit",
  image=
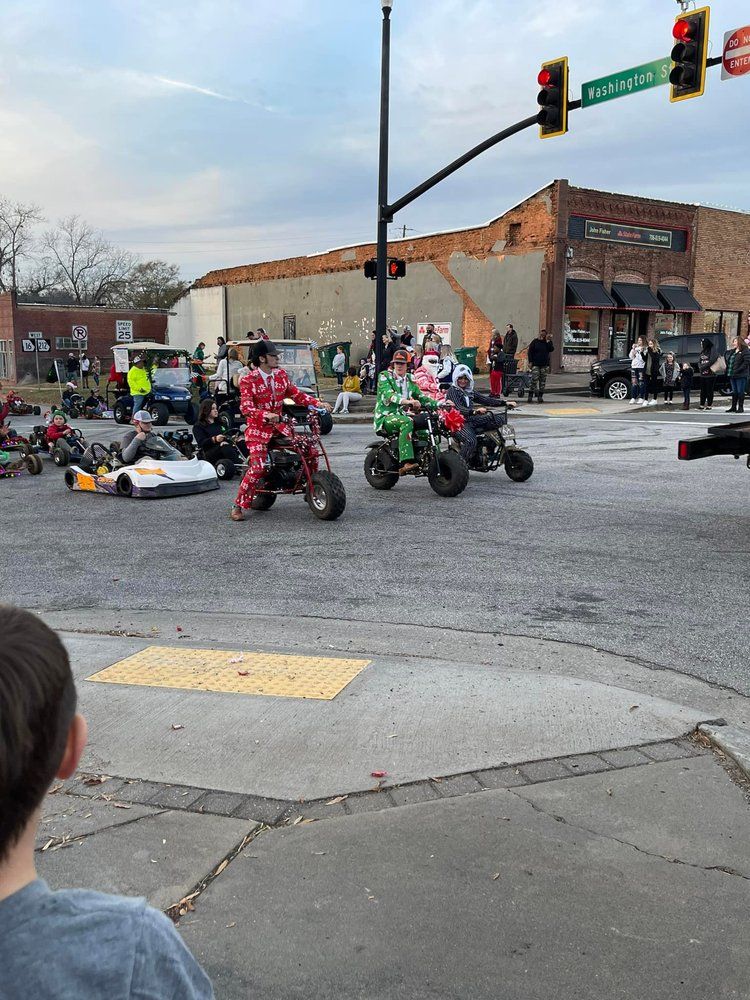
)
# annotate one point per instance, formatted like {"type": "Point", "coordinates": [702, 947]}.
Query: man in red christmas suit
{"type": "Point", "coordinates": [262, 394]}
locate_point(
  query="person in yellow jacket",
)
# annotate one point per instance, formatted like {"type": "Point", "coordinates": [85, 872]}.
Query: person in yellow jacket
{"type": "Point", "coordinates": [139, 383]}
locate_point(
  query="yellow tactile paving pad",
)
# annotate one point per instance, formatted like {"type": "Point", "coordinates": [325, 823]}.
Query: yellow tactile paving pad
{"type": "Point", "coordinates": [278, 674]}
{"type": "Point", "coordinates": [571, 411]}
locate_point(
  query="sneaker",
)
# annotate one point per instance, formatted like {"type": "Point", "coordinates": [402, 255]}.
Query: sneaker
{"type": "Point", "coordinates": [709, 407]}
{"type": "Point", "coordinates": [701, 407]}
{"type": "Point", "coordinates": [633, 401]}
{"type": "Point", "coordinates": [644, 402]}
{"type": "Point", "coordinates": [237, 514]}
{"type": "Point", "coordinates": [652, 403]}
{"type": "Point", "coordinates": [344, 413]}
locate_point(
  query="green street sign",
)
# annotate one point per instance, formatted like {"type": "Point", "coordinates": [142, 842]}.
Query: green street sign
{"type": "Point", "coordinates": [627, 81]}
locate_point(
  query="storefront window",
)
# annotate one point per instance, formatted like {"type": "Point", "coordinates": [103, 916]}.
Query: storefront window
{"type": "Point", "coordinates": [669, 325]}
{"type": "Point", "coordinates": [581, 334]}
{"type": "Point", "coordinates": [716, 321]}
{"type": "Point", "coordinates": [620, 341]}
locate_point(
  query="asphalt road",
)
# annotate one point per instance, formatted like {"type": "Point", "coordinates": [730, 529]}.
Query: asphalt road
{"type": "Point", "coordinates": [612, 543]}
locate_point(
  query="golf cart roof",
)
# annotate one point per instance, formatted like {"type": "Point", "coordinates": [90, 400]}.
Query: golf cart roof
{"type": "Point", "coordinates": [273, 340]}
{"type": "Point", "coordinates": [150, 345]}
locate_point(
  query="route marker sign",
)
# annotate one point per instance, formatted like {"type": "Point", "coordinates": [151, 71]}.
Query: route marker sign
{"type": "Point", "coordinates": [626, 82]}
{"type": "Point", "coordinates": [736, 55]}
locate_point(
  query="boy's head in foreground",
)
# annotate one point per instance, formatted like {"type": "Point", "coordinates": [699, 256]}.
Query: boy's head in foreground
{"type": "Point", "coordinates": [41, 736]}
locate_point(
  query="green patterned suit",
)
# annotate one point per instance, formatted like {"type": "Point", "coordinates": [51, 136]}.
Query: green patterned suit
{"type": "Point", "coordinates": [389, 415]}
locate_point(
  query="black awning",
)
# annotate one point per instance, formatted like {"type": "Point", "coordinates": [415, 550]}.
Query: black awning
{"type": "Point", "coordinates": [678, 299]}
{"type": "Point", "coordinates": [636, 297]}
{"type": "Point", "coordinates": [588, 295]}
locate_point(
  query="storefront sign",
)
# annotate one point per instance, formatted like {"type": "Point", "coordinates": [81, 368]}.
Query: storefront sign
{"type": "Point", "coordinates": [615, 232]}
{"type": "Point", "coordinates": [736, 55]}
{"type": "Point", "coordinates": [627, 81]}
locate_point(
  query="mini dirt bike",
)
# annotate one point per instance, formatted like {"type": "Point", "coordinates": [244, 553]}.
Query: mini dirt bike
{"type": "Point", "coordinates": [497, 447]}
{"type": "Point", "coordinates": [446, 471]}
{"type": "Point", "coordinates": [292, 467]}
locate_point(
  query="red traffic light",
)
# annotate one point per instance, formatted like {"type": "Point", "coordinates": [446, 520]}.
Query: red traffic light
{"type": "Point", "coordinates": [545, 78]}
{"type": "Point", "coordinates": [684, 31]}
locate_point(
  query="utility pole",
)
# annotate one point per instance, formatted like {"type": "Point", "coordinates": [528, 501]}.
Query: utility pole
{"type": "Point", "coordinates": [381, 281]}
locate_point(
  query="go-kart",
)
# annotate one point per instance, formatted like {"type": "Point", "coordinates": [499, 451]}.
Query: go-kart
{"type": "Point", "coordinates": [164, 473]}
{"type": "Point", "coordinates": [63, 451]}
{"type": "Point", "coordinates": [446, 471]}
{"type": "Point", "coordinates": [234, 460]}
{"type": "Point", "coordinates": [497, 447]}
{"type": "Point", "coordinates": [10, 468]}
{"type": "Point", "coordinates": [292, 467]}
{"type": "Point", "coordinates": [181, 441]}
{"type": "Point", "coordinates": [18, 407]}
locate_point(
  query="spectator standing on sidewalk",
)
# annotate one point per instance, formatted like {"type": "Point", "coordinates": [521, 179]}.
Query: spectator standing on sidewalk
{"type": "Point", "coordinates": [85, 369]}
{"type": "Point", "coordinates": [495, 361]}
{"type": "Point", "coordinates": [96, 370]}
{"type": "Point", "coordinates": [738, 369]}
{"type": "Point", "coordinates": [686, 381]}
{"type": "Point", "coordinates": [638, 371]}
{"type": "Point", "coordinates": [407, 339]}
{"type": "Point", "coordinates": [539, 352]}
{"type": "Point", "coordinates": [339, 365]}
{"type": "Point", "coordinates": [69, 943]}
{"type": "Point", "coordinates": [653, 367]}
{"type": "Point", "coordinates": [670, 376]}
{"type": "Point", "coordinates": [709, 357]}
{"type": "Point", "coordinates": [510, 341]}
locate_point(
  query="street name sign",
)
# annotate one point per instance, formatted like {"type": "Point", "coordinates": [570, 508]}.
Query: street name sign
{"type": "Point", "coordinates": [736, 55]}
{"type": "Point", "coordinates": [627, 81]}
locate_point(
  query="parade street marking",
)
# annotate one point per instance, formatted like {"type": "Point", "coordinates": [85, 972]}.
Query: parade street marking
{"type": "Point", "coordinates": [575, 411]}
{"type": "Point", "coordinates": [227, 670]}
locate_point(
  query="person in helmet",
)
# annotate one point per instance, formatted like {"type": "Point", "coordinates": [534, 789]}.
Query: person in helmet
{"type": "Point", "coordinates": [398, 393]}
{"type": "Point", "coordinates": [262, 394]}
{"type": "Point", "coordinates": [473, 407]}
{"type": "Point", "coordinates": [426, 376]}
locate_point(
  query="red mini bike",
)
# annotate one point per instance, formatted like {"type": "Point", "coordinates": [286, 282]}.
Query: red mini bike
{"type": "Point", "coordinates": [293, 467]}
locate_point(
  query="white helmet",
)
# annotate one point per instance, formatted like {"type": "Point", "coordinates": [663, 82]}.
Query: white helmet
{"type": "Point", "coordinates": [463, 371]}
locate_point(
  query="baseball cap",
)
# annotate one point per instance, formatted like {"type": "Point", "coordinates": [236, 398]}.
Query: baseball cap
{"type": "Point", "coordinates": [400, 358]}
{"type": "Point", "coordinates": [143, 417]}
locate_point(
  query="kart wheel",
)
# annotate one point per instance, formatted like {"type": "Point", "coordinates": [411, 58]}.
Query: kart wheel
{"type": "Point", "coordinates": [70, 479]}
{"type": "Point", "coordinates": [225, 419]}
{"type": "Point", "coordinates": [74, 414]}
{"type": "Point", "coordinates": [61, 454]}
{"type": "Point", "coordinates": [33, 464]}
{"type": "Point", "coordinates": [124, 485]}
{"type": "Point", "coordinates": [190, 415]}
{"type": "Point", "coordinates": [37, 411]}
{"type": "Point", "coordinates": [25, 449]}
{"type": "Point", "coordinates": [326, 496]}
{"type": "Point", "coordinates": [225, 469]}
{"type": "Point", "coordinates": [326, 422]}
{"type": "Point", "coordinates": [121, 413]}
{"type": "Point", "coordinates": [159, 413]}
{"type": "Point", "coordinates": [617, 389]}
{"type": "Point", "coordinates": [379, 475]}
{"type": "Point", "coordinates": [449, 474]}
{"type": "Point", "coordinates": [263, 501]}
{"type": "Point", "coordinates": [519, 465]}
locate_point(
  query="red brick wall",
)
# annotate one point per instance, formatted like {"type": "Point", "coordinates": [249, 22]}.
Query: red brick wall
{"type": "Point", "coordinates": [58, 321]}
{"type": "Point", "coordinates": [722, 264]}
{"type": "Point", "coordinates": [6, 325]}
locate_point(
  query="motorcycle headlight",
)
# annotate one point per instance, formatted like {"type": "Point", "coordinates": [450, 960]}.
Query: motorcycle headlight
{"type": "Point", "coordinates": [508, 433]}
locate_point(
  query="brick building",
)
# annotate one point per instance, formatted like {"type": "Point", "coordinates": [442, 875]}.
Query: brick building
{"type": "Point", "coordinates": [24, 325]}
{"type": "Point", "coordinates": [594, 268]}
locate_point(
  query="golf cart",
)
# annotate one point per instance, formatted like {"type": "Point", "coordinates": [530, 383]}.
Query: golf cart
{"type": "Point", "coordinates": [295, 357]}
{"type": "Point", "coordinates": [170, 386]}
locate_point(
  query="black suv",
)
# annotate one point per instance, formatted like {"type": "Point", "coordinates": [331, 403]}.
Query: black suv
{"type": "Point", "coordinates": [611, 376]}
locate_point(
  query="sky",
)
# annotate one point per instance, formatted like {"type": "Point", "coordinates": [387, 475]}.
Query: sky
{"type": "Point", "coordinates": [224, 132]}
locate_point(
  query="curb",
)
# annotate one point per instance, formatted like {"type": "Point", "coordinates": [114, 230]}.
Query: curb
{"type": "Point", "coordinates": [734, 741]}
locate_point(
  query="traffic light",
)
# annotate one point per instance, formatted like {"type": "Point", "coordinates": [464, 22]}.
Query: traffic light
{"type": "Point", "coordinates": [396, 268]}
{"type": "Point", "coordinates": [371, 268]}
{"type": "Point", "coordinates": [553, 98]}
{"type": "Point", "coordinates": [689, 55]}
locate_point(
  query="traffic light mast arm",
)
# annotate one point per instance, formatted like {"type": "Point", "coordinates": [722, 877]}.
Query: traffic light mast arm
{"type": "Point", "coordinates": [409, 197]}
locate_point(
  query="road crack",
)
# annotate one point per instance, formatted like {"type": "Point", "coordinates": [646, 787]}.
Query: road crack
{"type": "Point", "coordinates": [626, 843]}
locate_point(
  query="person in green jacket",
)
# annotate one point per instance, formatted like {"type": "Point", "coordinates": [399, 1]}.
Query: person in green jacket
{"type": "Point", "coordinates": [397, 392]}
{"type": "Point", "coordinates": [139, 383]}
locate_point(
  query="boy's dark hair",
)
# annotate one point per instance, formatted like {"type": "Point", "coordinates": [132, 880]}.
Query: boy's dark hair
{"type": "Point", "coordinates": [37, 705]}
{"type": "Point", "coordinates": [352, 370]}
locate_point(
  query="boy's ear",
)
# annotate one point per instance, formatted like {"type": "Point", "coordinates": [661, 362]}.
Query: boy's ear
{"type": "Point", "coordinates": [77, 736]}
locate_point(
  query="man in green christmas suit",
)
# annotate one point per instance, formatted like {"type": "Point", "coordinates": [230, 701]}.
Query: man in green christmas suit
{"type": "Point", "coordinates": [398, 392]}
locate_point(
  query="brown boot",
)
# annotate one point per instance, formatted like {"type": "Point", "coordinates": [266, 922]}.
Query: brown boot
{"type": "Point", "coordinates": [407, 467]}
{"type": "Point", "coordinates": [237, 514]}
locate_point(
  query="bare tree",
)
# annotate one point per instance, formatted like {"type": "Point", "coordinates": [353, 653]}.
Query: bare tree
{"type": "Point", "coordinates": [86, 265]}
{"type": "Point", "coordinates": [17, 222]}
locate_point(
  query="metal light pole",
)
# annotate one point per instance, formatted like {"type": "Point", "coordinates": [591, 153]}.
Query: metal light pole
{"type": "Point", "coordinates": [381, 282]}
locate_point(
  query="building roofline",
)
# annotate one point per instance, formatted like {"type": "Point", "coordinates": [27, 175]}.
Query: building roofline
{"type": "Point", "coordinates": [99, 309]}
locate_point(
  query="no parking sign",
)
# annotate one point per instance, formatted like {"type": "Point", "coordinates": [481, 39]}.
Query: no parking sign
{"type": "Point", "coordinates": [80, 333]}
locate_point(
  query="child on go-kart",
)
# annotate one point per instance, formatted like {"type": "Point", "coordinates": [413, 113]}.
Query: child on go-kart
{"type": "Point", "coordinates": [59, 429]}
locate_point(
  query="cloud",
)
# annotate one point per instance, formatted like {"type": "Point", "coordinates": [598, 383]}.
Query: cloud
{"type": "Point", "coordinates": [181, 85]}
